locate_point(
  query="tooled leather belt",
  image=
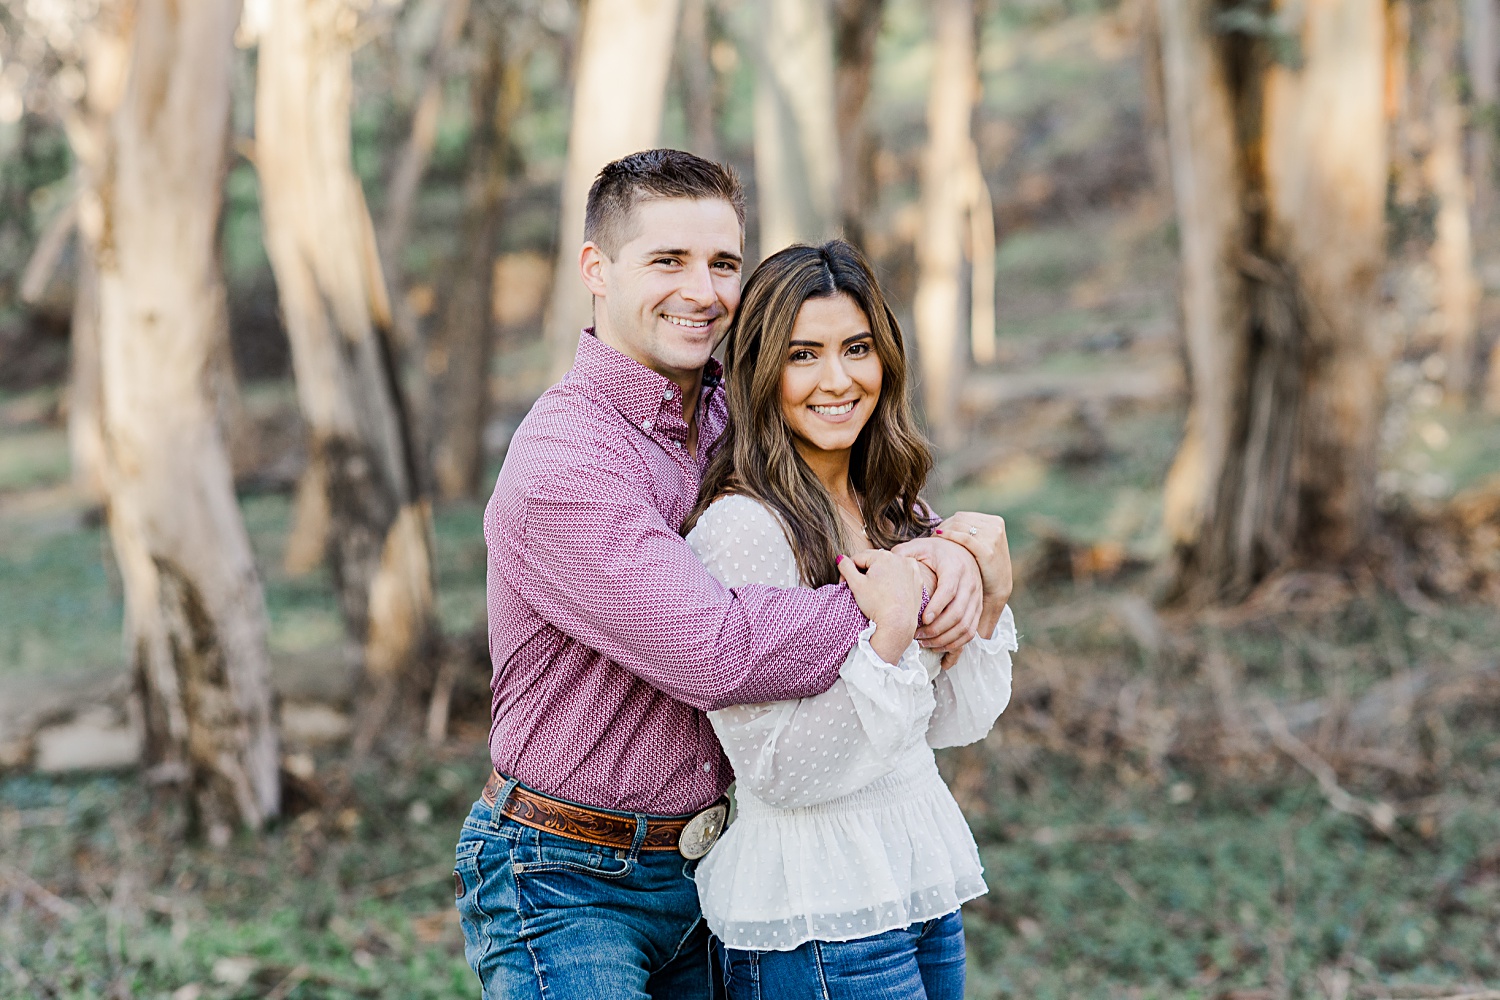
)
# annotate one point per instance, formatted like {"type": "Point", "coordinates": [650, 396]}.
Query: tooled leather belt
{"type": "Point", "coordinates": [691, 836]}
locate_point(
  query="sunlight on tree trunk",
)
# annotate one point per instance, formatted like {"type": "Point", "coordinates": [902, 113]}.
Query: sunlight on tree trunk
{"type": "Point", "coordinates": [796, 131]}
{"type": "Point", "coordinates": [948, 167]}
{"type": "Point", "coordinates": [459, 359]}
{"type": "Point", "coordinates": [195, 616]}
{"type": "Point", "coordinates": [1282, 228]}
{"type": "Point", "coordinates": [623, 62]}
{"type": "Point", "coordinates": [321, 244]}
{"type": "Point", "coordinates": [106, 51]}
{"type": "Point", "coordinates": [856, 28]}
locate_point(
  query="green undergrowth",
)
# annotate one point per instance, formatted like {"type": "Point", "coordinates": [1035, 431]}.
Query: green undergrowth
{"type": "Point", "coordinates": [1188, 887]}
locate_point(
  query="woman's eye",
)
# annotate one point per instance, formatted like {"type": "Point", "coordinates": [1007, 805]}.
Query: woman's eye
{"type": "Point", "coordinates": [802, 355]}
{"type": "Point", "coordinates": [859, 350]}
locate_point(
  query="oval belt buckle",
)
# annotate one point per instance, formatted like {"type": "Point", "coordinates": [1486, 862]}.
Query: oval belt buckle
{"type": "Point", "coordinates": [702, 831]}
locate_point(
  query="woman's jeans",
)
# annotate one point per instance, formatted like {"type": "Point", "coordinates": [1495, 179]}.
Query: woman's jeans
{"type": "Point", "coordinates": [922, 960]}
{"type": "Point", "coordinates": [545, 916]}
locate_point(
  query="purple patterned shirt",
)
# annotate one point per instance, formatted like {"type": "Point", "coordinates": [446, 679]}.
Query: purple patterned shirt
{"type": "Point", "coordinates": [608, 637]}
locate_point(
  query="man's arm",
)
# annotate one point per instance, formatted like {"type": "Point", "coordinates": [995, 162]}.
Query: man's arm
{"type": "Point", "coordinates": [612, 573]}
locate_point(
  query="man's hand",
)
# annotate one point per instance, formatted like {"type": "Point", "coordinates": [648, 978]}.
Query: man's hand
{"type": "Point", "coordinates": [983, 535]}
{"type": "Point", "coordinates": [957, 602]}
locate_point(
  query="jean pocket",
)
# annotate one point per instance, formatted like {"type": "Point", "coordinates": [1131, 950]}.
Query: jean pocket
{"type": "Point", "coordinates": [551, 854]}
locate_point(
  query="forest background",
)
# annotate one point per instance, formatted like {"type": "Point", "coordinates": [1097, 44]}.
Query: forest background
{"type": "Point", "coordinates": [1203, 297]}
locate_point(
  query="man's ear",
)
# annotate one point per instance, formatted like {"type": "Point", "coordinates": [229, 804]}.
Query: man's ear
{"type": "Point", "coordinates": [591, 261]}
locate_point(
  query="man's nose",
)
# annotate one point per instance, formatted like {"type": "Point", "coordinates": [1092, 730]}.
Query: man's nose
{"type": "Point", "coordinates": [698, 284]}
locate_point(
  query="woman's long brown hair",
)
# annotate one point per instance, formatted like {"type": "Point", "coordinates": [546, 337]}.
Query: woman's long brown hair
{"type": "Point", "coordinates": [756, 457]}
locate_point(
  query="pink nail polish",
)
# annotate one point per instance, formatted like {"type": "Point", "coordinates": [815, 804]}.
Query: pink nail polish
{"type": "Point", "coordinates": [837, 560]}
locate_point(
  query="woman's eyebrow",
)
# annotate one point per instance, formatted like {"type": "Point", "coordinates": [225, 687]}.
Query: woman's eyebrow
{"type": "Point", "coordinates": [858, 336]}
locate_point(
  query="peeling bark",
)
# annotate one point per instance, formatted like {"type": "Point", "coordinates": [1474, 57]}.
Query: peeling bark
{"type": "Point", "coordinates": [1278, 152]}
{"type": "Point", "coordinates": [195, 617]}
{"type": "Point", "coordinates": [322, 248]}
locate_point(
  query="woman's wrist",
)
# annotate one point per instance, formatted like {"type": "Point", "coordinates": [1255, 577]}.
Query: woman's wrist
{"type": "Point", "coordinates": [989, 617]}
{"type": "Point", "coordinates": [890, 642]}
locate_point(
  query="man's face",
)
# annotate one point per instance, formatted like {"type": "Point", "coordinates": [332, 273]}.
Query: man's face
{"type": "Point", "coordinates": [668, 294]}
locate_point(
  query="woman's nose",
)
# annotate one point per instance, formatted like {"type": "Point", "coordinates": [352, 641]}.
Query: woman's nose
{"type": "Point", "coordinates": [835, 379]}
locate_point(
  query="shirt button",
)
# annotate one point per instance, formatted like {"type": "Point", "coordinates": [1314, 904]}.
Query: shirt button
{"type": "Point", "coordinates": [646, 426]}
{"type": "Point", "coordinates": [668, 394]}
{"type": "Point", "coordinates": [707, 767]}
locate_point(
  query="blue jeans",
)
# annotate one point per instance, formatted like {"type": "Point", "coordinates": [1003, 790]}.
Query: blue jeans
{"type": "Point", "coordinates": [548, 917]}
{"type": "Point", "coordinates": [909, 963]}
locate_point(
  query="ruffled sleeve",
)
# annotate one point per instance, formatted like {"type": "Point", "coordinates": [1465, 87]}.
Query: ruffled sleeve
{"type": "Point", "coordinates": [797, 753]}
{"type": "Point", "coordinates": [974, 691]}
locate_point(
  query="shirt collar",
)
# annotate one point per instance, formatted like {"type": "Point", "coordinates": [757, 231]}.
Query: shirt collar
{"type": "Point", "coordinates": [642, 396]}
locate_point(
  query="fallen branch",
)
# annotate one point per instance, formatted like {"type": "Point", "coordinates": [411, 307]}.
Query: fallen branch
{"type": "Point", "coordinates": [48, 252]}
{"type": "Point", "coordinates": [1380, 815]}
{"type": "Point", "coordinates": [39, 894]}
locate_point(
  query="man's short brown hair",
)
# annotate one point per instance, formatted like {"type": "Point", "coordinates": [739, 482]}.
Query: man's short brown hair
{"type": "Point", "coordinates": [648, 175]}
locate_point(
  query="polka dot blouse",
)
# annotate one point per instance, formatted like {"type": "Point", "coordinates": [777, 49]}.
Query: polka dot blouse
{"type": "Point", "coordinates": [844, 827]}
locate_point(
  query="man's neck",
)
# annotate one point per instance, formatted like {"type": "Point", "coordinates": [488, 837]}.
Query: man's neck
{"type": "Point", "coordinates": [689, 383]}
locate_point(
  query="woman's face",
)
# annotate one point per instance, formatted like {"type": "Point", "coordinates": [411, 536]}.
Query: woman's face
{"type": "Point", "coordinates": [831, 379]}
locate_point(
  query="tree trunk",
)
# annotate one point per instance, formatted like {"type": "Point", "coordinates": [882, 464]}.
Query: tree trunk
{"type": "Point", "coordinates": [796, 131]}
{"type": "Point", "coordinates": [856, 29]}
{"type": "Point", "coordinates": [1481, 33]}
{"type": "Point", "coordinates": [623, 61]}
{"type": "Point", "coordinates": [948, 167]}
{"type": "Point", "coordinates": [1279, 174]}
{"type": "Point", "coordinates": [696, 76]}
{"type": "Point", "coordinates": [322, 249]}
{"type": "Point", "coordinates": [1452, 252]}
{"type": "Point", "coordinates": [459, 359]}
{"type": "Point", "coordinates": [106, 53]}
{"type": "Point", "coordinates": [195, 616]}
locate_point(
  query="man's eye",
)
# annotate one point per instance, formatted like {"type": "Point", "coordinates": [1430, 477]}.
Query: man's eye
{"type": "Point", "coordinates": [727, 265]}
{"type": "Point", "coordinates": [669, 261]}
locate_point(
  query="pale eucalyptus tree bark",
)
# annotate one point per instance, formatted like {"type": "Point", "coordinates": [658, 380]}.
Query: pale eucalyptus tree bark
{"type": "Point", "coordinates": [195, 617]}
{"type": "Point", "coordinates": [1278, 155]}
{"type": "Point", "coordinates": [623, 61]}
{"type": "Point", "coordinates": [105, 46]}
{"type": "Point", "coordinates": [856, 29]}
{"type": "Point", "coordinates": [949, 167]}
{"type": "Point", "coordinates": [364, 482]}
{"type": "Point", "coordinates": [796, 123]}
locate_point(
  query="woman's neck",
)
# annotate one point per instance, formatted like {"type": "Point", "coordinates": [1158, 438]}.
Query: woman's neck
{"type": "Point", "coordinates": [832, 470]}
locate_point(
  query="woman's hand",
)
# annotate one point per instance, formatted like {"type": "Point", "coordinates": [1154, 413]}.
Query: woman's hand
{"type": "Point", "coordinates": [984, 536]}
{"type": "Point", "coordinates": [889, 592]}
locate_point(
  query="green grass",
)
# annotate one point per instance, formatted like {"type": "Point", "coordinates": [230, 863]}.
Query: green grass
{"type": "Point", "coordinates": [1248, 884]}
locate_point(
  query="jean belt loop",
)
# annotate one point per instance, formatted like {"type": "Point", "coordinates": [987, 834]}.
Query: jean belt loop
{"type": "Point", "coordinates": [500, 797]}
{"type": "Point", "coordinates": [640, 837]}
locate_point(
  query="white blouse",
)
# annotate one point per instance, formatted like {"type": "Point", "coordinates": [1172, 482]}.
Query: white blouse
{"type": "Point", "coordinates": [844, 827]}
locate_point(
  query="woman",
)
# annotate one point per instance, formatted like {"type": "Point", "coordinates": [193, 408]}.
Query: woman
{"type": "Point", "coordinates": [845, 869]}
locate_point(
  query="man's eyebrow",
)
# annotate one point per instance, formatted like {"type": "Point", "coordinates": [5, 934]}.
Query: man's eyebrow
{"type": "Point", "coordinates": [683, 252]}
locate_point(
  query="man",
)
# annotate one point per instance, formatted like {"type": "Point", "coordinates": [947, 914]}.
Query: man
{"type": "Point", "coordinates": [609, 639]}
